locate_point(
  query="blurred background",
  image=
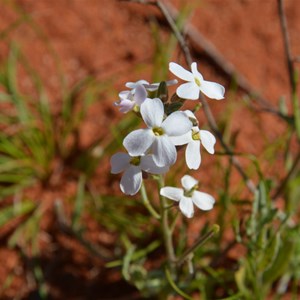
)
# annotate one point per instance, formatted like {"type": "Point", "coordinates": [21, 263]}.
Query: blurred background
{"type": "Point", "coordinates": [63, 63]}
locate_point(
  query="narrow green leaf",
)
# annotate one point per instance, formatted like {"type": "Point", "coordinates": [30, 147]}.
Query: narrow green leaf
{"type": "Point", "coordinates": [13, 211]}
{"type": "Point", "coordinates": [280, 263]}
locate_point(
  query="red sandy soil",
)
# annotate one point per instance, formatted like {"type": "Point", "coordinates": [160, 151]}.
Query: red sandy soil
{"type": "Point", "coordinates": [113, 42]}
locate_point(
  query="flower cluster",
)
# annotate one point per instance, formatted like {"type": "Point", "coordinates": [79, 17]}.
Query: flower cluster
{"type": "Point", "coordinates": [153, 149]}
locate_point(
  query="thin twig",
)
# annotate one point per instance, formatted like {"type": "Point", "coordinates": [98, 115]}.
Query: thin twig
{"type": "Point", "coordinates": [286, 39]}
{"type": "Point", "coordinates": [210, 118]}
{"type": "Point", "coordinates": [290, 63]}
{"type": "Point", "coordinates": [200, 42]}
{"type": "Point", "coordinates": [286, 179]}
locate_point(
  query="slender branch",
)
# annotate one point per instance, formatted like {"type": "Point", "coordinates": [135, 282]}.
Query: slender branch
{"type": "Point", "coordinates": [286, 39]}
{"type": "Point", "coordinates": [210, 118]}
{"type": "Point", "coordinates": [291, 70]}
{"type": "Point", "coordinates": [286, 179]}
{"type": "Point", "coordinates": [200, 42]}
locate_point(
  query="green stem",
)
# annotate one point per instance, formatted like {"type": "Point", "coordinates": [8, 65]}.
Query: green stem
{"type": "Point", "coordinates": [198, 243]}
{"type": "Point", "coordinates": [175, 287]}
{"type": "Point", "coordinates": [147, 203]}
{"type": "Point", "coordinates": [167, 233]}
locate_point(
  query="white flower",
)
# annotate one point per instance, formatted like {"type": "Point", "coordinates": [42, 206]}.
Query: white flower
{"type": "Point", "coordinates": [188, 196]}
{"type": "Point", "coordinates": [149, 86]}
{"type": "Point", "coordinates": [195, 84]}
{"type": "Point", "coordinates": [157, 135]}
{"type": "Point", "coordinates": [128, 101]}
{"type": "Point", "coordinates": [194, 138]}
{"type": "Point", "coordinates": [133, 166]}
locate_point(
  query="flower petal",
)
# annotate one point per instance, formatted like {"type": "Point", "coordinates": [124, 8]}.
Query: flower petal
{"type": "Point", "coordinates": [138, 141]}
{"type": "Point", "coordinates": [132, 85]}
{"type": "Point", "coordinates": [148, 165]}
{"type": "Point", "coordinates": [180, 72]}
{"type": "Point", "coordinates": [188, 182]}
{"type": "Point", "coordinates": [190, 114]}
{"type": "Point", "coordinates": [172, 193]}
{"type": "Point", "coordinates": [126, 95]}
{"type": "Point", "coordinates": [203, 200]}
{"type": "Point", "coordinates": [212, 90]}
{"type": "Point", "coordinates": [125, 105]}
{"type": "Point", "coordinates": [176, 124]}
{"type": "Point", "coordinates": [189, 90]}
{"type": "Point", "coordinates": [154, 86]}
{"type": "Point", "coordinates": [140, 94]}
{"type": "Point", "coordinates": [195, 72]}
{"type": "Point", "coordinates": [192, 155]}
{"type": "Point", "coordinates": [152, 111]}
{"type": "Point", "coordinates": [119, 162]}
{"type": "Point", "coordinates": [208, 141]}
{"type": "Point", "coordinates": [164, 152]}
{"type": "Point", "coordinates": [181, 139]}
{"type": "Point", "coordinates": [131, 180]}
{"type": "Point", "coordinates": [186, 206]}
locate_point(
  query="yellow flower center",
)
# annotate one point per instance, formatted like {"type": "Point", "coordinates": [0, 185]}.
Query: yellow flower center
{"type": "Point", "coordinates": [136, 160]}
{"type": "Point", "coordinates": [197, 81]}
{"type": "Point", "coordinates": [196, 135]}
{"type": "Point", "coordinates": [157, 131]}
{"type": "Point", "coordinates": [190, 192]}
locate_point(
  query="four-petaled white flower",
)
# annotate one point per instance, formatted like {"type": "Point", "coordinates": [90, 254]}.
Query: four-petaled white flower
{"type": "Point", "coordinates": [194, 138]}
{"type": "Point", "coordinates": [188, 196]}
{"type": "Point", "coordinates": [133, 166]}
{"type": "Point", "coordinates": [149, 86]}
{"type": "Point", "coordinates": [128, 101]}
{"type": "Point", "coordinates": [195, 84]}
{"type": "Point", "coordinates": [157, 135]}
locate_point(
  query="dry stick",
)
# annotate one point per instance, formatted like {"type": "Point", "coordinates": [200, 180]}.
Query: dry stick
{"type": "Point", "coordinates": [291, 69]}
{"type": "Point", "coordinates": [210, 118]}
{"type": "Point", "coordinates": [293, 87]}
{"type": "Point", "coordinates": [210, 50]}
{"type": "Point", "coordinates": [287, 48]}
{"type": "Point", "coordinates": [199, 41]}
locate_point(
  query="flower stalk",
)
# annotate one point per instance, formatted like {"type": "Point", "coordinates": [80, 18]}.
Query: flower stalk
{"type": "Point", "coordinates": [167, 232]}
{"type": "Point", "coordinates": [147, 203]}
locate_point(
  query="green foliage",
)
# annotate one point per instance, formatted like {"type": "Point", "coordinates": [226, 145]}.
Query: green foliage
{"type": "Point", "coordinates": [31, 137]}
{"type": "Point", "coordinates": [270, 247]}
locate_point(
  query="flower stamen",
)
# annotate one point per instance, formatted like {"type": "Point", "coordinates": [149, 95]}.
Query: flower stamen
{"type": "Point", "coordinates": [158, 131]}
{"type": "Point", "coordinates": [189, 193]}
{"type": "Point", "coordinates": [196, 135]}
{"type": "Point", "coordinates": [197, 81]}
{"type": "Point", "coordinates": [136, 160]}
